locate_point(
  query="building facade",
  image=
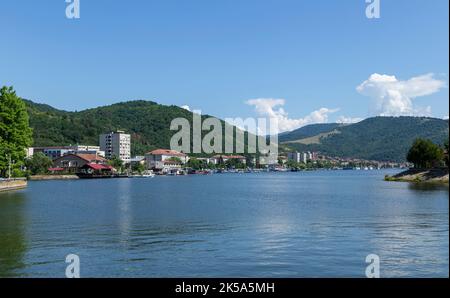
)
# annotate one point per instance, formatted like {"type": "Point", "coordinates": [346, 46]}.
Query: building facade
{"type": "Point", "coordinates": [72, 163]}
{"type": "Point", "coordinates": [162, 159]}
{"type": "Point", "coordinates": [116, 144]}
{"type": "Point", "coordinates": [302, 157]}
{"type": "Point", "coordinates": [55, 152]}
{"type": "Point", "coordinates": [220, 159]}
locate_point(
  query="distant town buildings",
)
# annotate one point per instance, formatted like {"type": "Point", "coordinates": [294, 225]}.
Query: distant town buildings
{"type": "Point", "coordinates": [220, 159]}
{"type": "Point", "coordinates": [54, 152]}
{"type": "Point", "coordinates": [116, 144]}
{"type": "Point", "coordinates": [302, 157]}
{"type": "Point", "coordinates": [137, 160]}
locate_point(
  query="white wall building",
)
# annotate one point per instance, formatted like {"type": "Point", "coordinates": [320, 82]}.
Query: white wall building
{"type": "Point", "coordinates": [302, 157]}
{"type": "Point", "coordinates": [116, 144]}
{"type": "Point", "coordinates": [55, 152]}
{"type": "Point", "coordinates": [160, 159]}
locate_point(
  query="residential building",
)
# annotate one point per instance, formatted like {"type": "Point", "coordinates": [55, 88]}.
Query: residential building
{"type": "Point", "coordinates": [160, 159]}
{"type": "Point", "coordinates": [302, 157]}
{"type": "Point", "coordinates": [294, 156]}
{"type": "Point", "coordinates": [116, 144]}
{"type": "Point", "coordinates": [137, 160]}
{"type": "Point", "coordinates": [219, 159]}
{"type": "Point", "coordinates": [74, 162]}
{"type": "Point", "coordinates": [29, 152]}
{"type": "Point", "coordinates": [54, 152]}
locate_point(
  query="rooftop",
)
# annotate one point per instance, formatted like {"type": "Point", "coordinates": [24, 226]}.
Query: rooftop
{"type": "Point", "coordinates": [166, 152]}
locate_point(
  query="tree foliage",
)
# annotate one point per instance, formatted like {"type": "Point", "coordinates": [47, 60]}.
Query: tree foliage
{"type": "Point", "coordinates": [425, 154]}
{"type": "Point", "coordinates": [117, 163]}
{"type": "Point", "coordinates": [38, 164]}
{"type": "Point", "coordinates": [138, 167]}
{"type": "Point", "coordinates": [15, 132]}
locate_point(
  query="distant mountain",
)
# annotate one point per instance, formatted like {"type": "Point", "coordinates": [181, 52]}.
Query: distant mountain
{"type": "Point", "coordinates": [146, 121]}
{"type": "Point", "coordinates": [378, 138]}
{"type": "Point", "coordinates": [308, 131]}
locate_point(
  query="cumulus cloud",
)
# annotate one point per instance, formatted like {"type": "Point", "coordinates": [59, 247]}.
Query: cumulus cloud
{"type": "Point", "coordinates": [272, 108]}
{"type": "Point", "coordinates": [393, 97]}
{"type": "Point", "coordinates": [186, 107]}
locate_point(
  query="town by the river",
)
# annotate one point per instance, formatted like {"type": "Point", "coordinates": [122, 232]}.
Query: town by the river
{"type": "Point", "coordinates": [270, 224]}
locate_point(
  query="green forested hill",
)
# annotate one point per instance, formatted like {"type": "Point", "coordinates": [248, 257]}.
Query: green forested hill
{"type": "Point", "coordinates": [308, 131]}
{"type": "Point", "coordinates": [377, 138]}
{"type": "Point", "coordinates": [146, 121]}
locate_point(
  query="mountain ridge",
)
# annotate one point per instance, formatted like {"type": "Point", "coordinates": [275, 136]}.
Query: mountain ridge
{"type": "Point", "coordinates": [376, 138]}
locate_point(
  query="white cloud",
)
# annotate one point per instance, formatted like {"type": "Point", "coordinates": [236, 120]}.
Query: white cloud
{"type": "Point", "coordinates": [272, 108]}
{"type": "Point", "coordinates": [392, 97]}
{"type": "Point", "coordinates": [445, 117]}
{"type": "Point", "coordinates": [348, 120]}
{"type": "Point", "coordinates": [186, 107]}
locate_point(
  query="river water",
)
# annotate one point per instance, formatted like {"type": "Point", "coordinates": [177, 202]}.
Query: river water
{"type": "Point", "coordinates": [303, 224]}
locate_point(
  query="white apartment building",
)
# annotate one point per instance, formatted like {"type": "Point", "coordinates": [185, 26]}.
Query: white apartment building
{"type": "Point", "coordinates": [302, 157]}
{"type": "Point", "coordinates": [161, 159]}
{"type": "Point", "coordinates": [116, 144]}
{"type": "Point", "coordinates": [55, 152]}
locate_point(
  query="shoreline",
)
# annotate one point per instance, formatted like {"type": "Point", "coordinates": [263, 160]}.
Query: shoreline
{"type": "Point", "coordinates": [12, 184]}
{"type": "Point", "coordinates": [421, 176]}
{"type": "Point", "coordinates": [53, 177]}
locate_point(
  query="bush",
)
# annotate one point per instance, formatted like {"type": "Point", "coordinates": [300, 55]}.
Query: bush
{"type": "Point", "coordinates": [38, 164]}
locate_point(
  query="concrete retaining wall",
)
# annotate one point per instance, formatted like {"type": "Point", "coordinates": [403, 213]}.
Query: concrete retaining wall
{"type": "Point", "coordinates": [12, 184]}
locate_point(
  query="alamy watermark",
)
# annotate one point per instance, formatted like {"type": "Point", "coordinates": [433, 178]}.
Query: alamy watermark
{"type": "Point", "coordinates": [373, 269]}
{"type": "Point", "coordinates": [73, 269]}
{"type": "Point", "coordinates": [373, 9]}
{"type": "Point", "coordinates": [73, 9]}
{"type": "Point", "coordinates": [213, 136]}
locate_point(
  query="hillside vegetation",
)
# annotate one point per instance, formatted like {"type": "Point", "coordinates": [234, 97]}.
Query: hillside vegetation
{"type": "Point", "coordinates": [146, 121]}
{"type": "Point", "coordinates": [377, 138]}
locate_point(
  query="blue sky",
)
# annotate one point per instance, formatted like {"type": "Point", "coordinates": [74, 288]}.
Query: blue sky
{"type": "Point", "coordinates": [295, 57]}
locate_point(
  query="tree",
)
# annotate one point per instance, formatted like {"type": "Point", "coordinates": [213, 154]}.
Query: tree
{"type": "Point", "coordinates": [138, 167]}
{"type": "Point", "coordinates": [425, 154]}
{"type": "Point", "coordinates": [195, 163]}
{"type": "Point", "coordinates": [234, 163]}
{"type": "Point", "coordinates": [15, 132]}
{"type": "Point", "coordinates": [116, 163]}
{"type": "Point", "coordinates": [38, 164]}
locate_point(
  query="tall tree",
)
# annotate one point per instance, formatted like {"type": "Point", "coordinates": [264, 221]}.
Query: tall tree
{"type": "Point", "coordinates": [425, 154]}
{"type": "Point", "coordinates": [15, 131]}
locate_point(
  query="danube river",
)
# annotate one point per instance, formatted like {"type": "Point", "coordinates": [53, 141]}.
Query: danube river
{"type": "Point", "coordinates": [304, 224]}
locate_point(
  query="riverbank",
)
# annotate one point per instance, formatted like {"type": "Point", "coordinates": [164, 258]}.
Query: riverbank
{"type": "Point", "coordinates": [12, 184]}
{"type": "Point", "coordinates": [53, 177]}
{"type": "Point", "coordinates": [421, 175]}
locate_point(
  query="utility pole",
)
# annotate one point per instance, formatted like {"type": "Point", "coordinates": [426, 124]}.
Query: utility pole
{"type": "Point", "coordinates": [9, 166]}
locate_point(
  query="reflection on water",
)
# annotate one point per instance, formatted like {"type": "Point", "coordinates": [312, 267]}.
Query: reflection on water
{"type": "Point", "coordinates": [428, 186]}
{"type": "Point", "coordinates": [12, 234]}
{"type": "Point", "coordinates": [312, 224]}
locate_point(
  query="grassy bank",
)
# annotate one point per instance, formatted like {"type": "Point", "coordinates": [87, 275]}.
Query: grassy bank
{"type": "Point", "coordinates": [421, 175]}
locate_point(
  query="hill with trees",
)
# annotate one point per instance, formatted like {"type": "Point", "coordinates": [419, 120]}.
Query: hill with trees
{"type": "Point", "coordinates": [377, 138]}
{"type": "Point", "coordinates": [146, 121]}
